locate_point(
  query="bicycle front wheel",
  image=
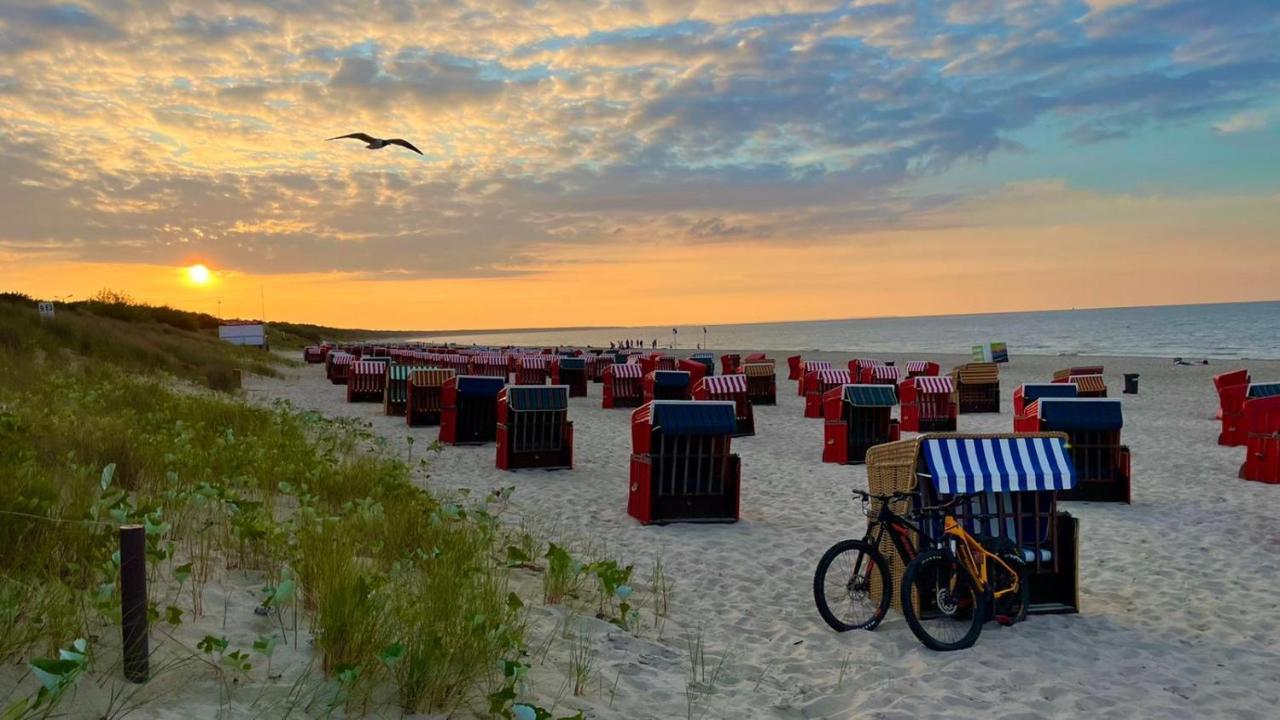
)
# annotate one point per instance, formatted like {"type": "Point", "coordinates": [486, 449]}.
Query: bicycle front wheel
{"type": "Point", "coordinates": [851, 586]}
{"type": "Point", "coordinates": [940, 602]}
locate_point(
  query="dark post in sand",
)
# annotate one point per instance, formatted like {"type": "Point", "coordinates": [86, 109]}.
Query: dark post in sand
{"type": "Point", "coordinates": [133, 602]}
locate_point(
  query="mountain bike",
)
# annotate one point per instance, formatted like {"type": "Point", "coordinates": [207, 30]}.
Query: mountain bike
{"type": "Point", "coordinates": [951, 589]}
{"type": "Point", "coordinates": [851, 585]}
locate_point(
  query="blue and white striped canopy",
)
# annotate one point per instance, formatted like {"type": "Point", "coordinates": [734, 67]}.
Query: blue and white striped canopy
{"type": "Point", "coordinates": [973, 465]}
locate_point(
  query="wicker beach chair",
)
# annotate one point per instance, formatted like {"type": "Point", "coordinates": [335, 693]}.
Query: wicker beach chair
{"type": "Point", "coordinates": [1020, 506]}
{"type": "Point", "coordinates": [424, 396]}
{"type": "Point", "coordinates": [762, 382]}
{"type": "Point", "coordinates": [977, 387]}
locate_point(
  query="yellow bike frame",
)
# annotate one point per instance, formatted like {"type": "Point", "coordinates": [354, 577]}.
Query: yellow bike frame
{"type": "Point", "coordinates": [968, 550]}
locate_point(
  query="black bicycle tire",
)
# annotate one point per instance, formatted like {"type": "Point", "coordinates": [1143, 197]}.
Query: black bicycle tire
{"type": "Point", "coordinates": [978, 613]}
{"type": "Point", "coordinates": [819, 585]}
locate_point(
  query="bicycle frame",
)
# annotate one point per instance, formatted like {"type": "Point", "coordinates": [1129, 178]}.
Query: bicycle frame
{"type": "Point", "coordinates": [900, 530]}
{"type": "Point", "coordinates": [969, 551]}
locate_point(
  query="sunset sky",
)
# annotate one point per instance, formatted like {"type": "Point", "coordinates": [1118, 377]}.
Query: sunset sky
{"type": "Point", "coordinates": [641, 162]}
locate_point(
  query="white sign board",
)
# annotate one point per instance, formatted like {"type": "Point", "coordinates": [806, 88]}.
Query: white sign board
{"type": "Point", "coordinates": [255, 335]}
{"type": "Point", "coordinates": [46, 310]}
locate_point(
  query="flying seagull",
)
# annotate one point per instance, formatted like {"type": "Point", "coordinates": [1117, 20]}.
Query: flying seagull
{"type": "Point", "coordinates": [374, 143]}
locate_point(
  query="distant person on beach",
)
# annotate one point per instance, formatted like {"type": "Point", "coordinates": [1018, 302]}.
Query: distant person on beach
{"type": "Point", "coordinates": [655, 344]}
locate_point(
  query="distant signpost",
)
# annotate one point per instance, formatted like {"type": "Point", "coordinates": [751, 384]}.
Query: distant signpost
{"type": "Point", "coordinates": [46, 310]}
{"type": "Point", "coordinates": [996, 352]}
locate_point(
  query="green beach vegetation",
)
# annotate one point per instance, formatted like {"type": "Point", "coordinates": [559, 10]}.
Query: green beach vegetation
{"type": "Point", "coordinates": [407, 598]}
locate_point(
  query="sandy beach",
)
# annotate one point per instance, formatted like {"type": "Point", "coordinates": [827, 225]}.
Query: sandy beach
{"type": "Point", "coordinates": [1179, 611]}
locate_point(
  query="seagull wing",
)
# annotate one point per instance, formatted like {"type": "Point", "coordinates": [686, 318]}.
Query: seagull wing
{"type": "Point", "coordinates": [355, 136]}
{"type": "Point", "coordinates": [404, 143]}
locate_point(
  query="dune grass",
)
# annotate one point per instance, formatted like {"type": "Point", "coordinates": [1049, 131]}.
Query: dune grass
{"type": "Point", "coordinates": [405, 595]}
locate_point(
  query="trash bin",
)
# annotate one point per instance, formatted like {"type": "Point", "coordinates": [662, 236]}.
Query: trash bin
{"type": "Point", "coordinates": [1131, 383]}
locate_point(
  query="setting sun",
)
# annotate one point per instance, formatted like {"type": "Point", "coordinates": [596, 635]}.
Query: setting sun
{"type": "Point", "coordinates": [199, 275]}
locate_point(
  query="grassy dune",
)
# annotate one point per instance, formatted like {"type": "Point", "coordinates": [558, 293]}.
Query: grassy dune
{"type": "Point", "coordinates": [406, 596]}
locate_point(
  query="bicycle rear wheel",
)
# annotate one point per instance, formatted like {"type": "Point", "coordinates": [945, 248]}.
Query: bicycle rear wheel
{"type": "Point", "coordinates": [940, 602]}
{"type": "Point", "coordinates": [843, 583]}
{"type": "Point", "coordinates": [1013, 606]}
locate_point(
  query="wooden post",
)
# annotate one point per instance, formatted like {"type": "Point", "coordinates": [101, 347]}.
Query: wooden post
{"type": "Point", "coordinates": [133, 602]}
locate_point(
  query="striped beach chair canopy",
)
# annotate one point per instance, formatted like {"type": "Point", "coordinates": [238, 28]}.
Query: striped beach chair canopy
{"type": "Point", "coordinates": [341, 358]}
{"type": "Point", "coordinates": [886, 372]}
{"type": "Point", "coordinates": [1065, 373]}
{"type": "Point", "coordinates": [480, 385]}
{"type": "Point", "coordinates": [538, 397]}
{"type": "Point", "coordinates": [977, 373]}
{"type": "Point", "coordinates": [1264, 389]}
{"type": "Point", "coordinates": [1079, 413]}
{"type": "Point", "coordinates": [834, 377]}
{"type": "Point", "coordinates": [936, 385]}
{"type": "Point", "coordinates": [761, 369]}
{"type": "Point", "coordinates": [629, 370]}
{"type": "Point", "coordinates": [703, 356]}
{"type": "Point", "coordinates": [870, 395]}
{"type": "Point", "coordinates": [916, 366]}
{"type": "Point", "coordinates": [400, 373]}
{"type": "Point", "coordinates": [975, 465]}
{"type": "Point", "coordinates": [815, 365]}
{"type": "Point", "coordinates": [430, 377]}
{"type": "Point", "coordinates": [489, 359]}
{"type": "Point", "coordinates": [671, 378]}
{"type": "Point", "coordinates": [690, 417]}
{"type": "Point", "coordinates": [535, 362]}
{"type": "Point", "coordinates": [866, 362]}
{"type": "Point", "coordinates": [368, 367]}
{"type": "Point", "coordinates": [1035, 391]}
{"type": "Point", "coordinates": [1088, 383]}
{"type": "Point", "coordinates": [725, 384]}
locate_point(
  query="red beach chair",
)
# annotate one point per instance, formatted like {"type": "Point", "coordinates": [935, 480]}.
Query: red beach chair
{"type": "Point", "coordinates": [1092, 427]}
{"type": "Point", "coordinates": [623, 386]}
{"type": "Point", "coordinates": [795, 367]}
{"type": "Point", "coordinates": [681, 466]}
{"type": "Point", "coordinates": [916, 368]}
{"type": "Point", "coordinates": [729, 388]}
{"type": "Point", "coordinates": [1262, 439]}
{"type": "Point", "coordinates": [337, 367]}
{"type": "Point", "coordinates": [928, 404]}
{"type": "Point", "coordinates": [367, 381]}
{"type": "Point", "coordinates": [534, 430]}
{"type": "Point", "coordinates": [667, 385]}
{"type": "Point", "coordinates": [809, 366]}
{"type": "Point", "coordinates": [1026, 394]}
{"type": "Point", "coordinates": [572, 373]}
{"type": "Point", "coordinates": [470, 415]}
{"type": "Point", "coordinates": [816, 385]}
{"type": "Point", "coordinates": [696, 369]}
{"type": "Point", "coordinates": [858, 417]}
{"type": "Point", "coordinates": [533, 370]}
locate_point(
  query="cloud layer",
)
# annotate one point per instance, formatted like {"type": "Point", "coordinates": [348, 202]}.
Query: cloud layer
{"type": "Point", "coordinates": [155, 131]}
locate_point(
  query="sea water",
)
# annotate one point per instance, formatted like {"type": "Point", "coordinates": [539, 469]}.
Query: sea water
{"type": "Point", "coordinates": [1219, 331]}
